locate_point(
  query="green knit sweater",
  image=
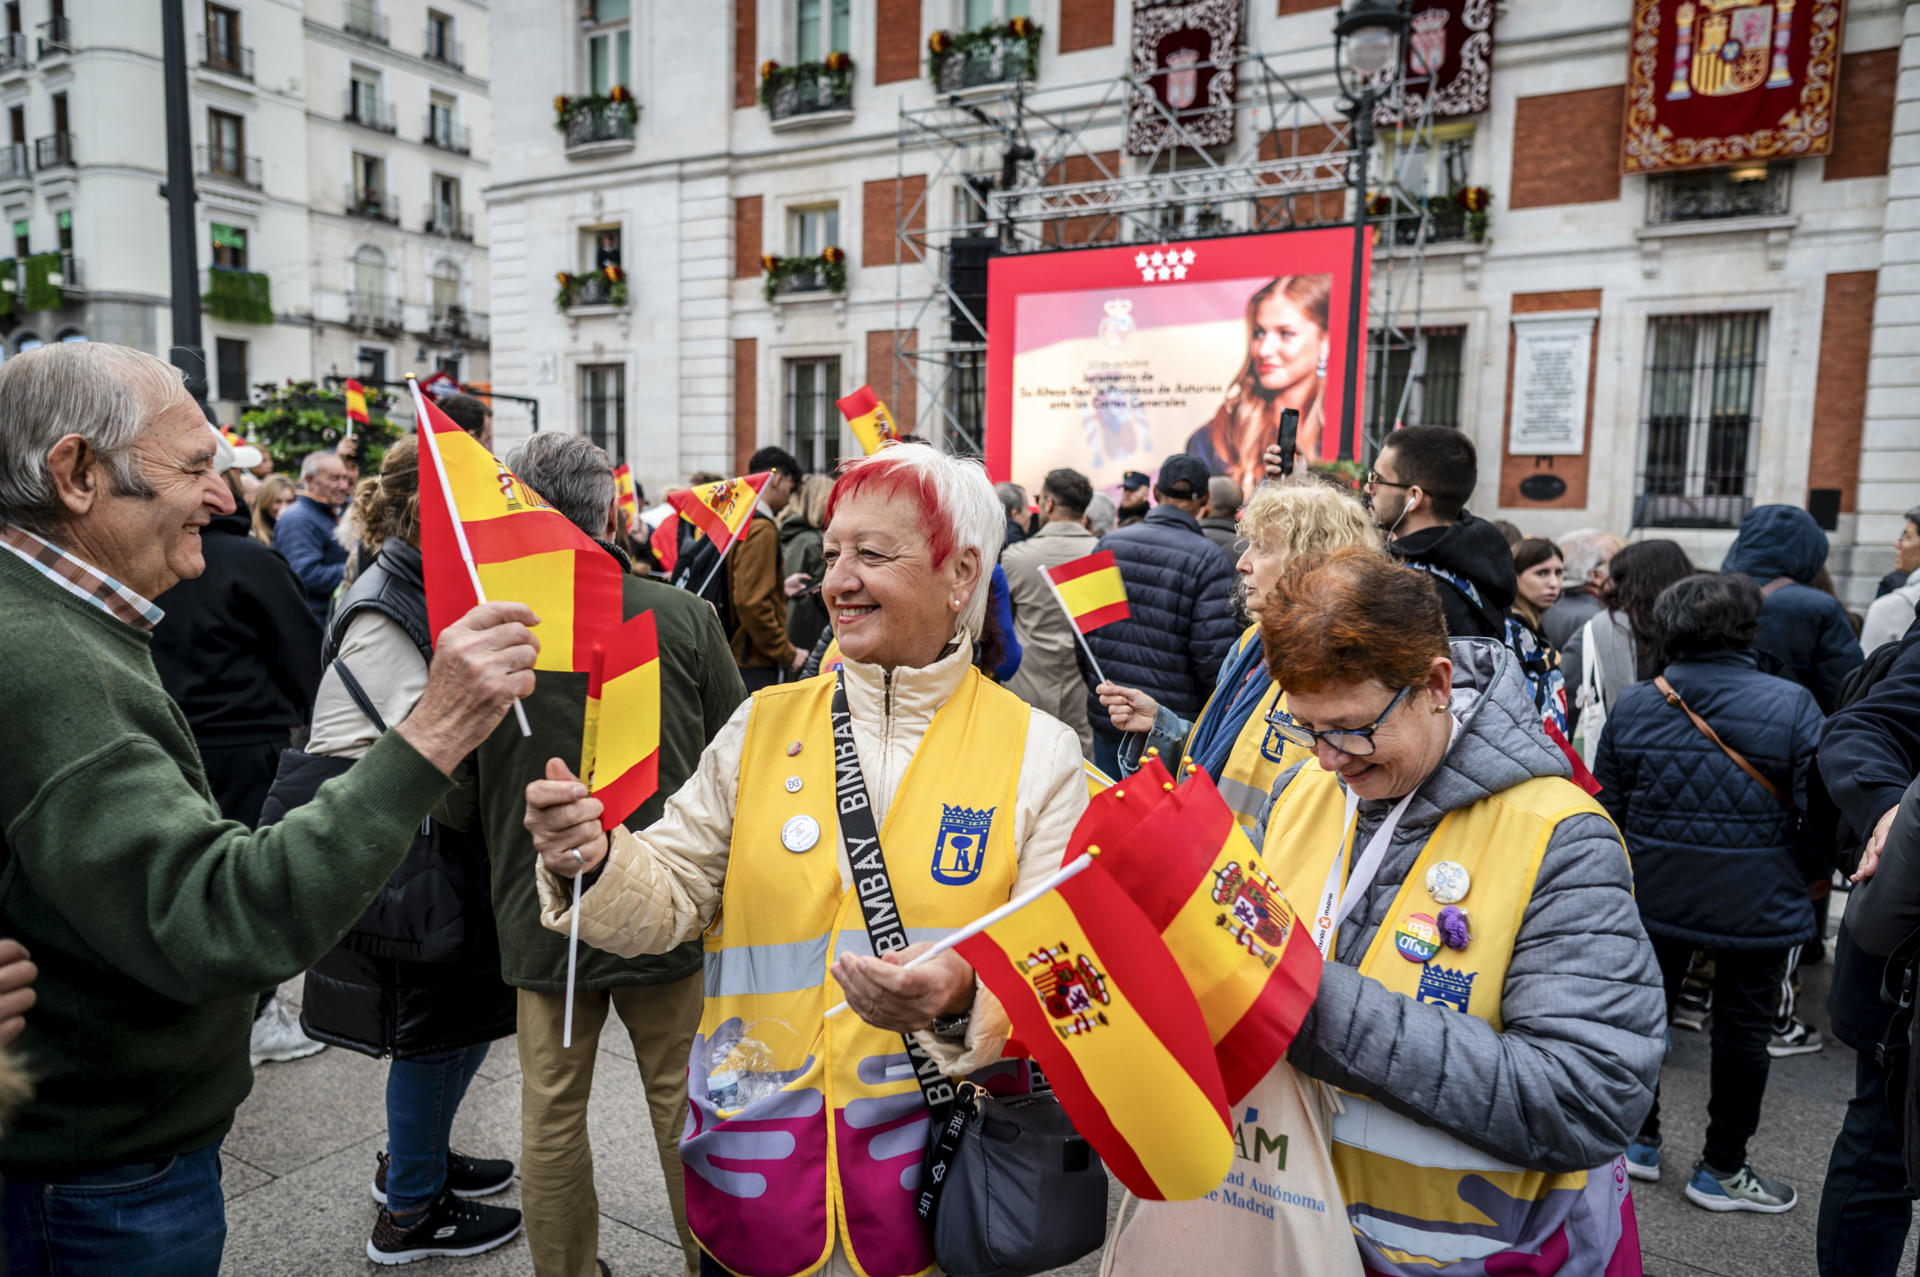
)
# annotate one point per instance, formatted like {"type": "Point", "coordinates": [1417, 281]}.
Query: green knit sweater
{"type": "Point", "coordinates": [154, 922]}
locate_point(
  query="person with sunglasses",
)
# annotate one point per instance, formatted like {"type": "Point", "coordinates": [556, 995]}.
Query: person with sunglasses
{"type": "Point", "coordinates": [1490, 1007]}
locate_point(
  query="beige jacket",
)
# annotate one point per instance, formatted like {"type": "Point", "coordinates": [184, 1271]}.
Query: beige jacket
{"type": "Point", "coordinates": [1049, 676]}
{"type": "Point", "coordinates": [662, 886]}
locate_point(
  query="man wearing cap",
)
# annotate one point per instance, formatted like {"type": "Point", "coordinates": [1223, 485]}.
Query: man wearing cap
{"type": "Point", "coordinates": [1180, 591]}
{"type": "Point", "coordinates": [1133, 499]}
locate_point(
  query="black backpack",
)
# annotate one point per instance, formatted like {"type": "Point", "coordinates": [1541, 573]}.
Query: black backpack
{"type": "Point", "coordinates": [697, 567]}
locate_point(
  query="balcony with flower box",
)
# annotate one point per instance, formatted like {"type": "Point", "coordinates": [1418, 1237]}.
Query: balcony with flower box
{"type": "Point", "coordinates": [597, 123]}
{"type": "Point", "coordinates": [238, 296]}
{"type": "Point", "coordinates": [40, 282]}
{"type": "Point", "coordinates": [808, 95]}
{"type": "Point", "coordinates": [599, 291]}
{"type": "Point", "coordinates": [1457, 217]}
{"type": "Point", "coordinates": [987, 57]}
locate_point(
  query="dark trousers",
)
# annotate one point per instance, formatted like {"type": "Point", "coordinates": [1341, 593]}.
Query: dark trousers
{"type": "Point", "coordinates": [148, 1219]}
{"type": "Point", "coordinates": [1746, 990]}
{"type": "Point", "coordinates": [1864, 1208]}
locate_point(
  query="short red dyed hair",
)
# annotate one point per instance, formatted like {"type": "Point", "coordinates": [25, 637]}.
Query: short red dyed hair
{"type": "Point", "coordinates": [956, 503]}
{"type": "Point", "coordinates": [1350, 616]}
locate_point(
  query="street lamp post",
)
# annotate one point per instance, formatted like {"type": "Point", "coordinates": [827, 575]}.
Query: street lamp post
{"type": "Point", "coordinates": [1366, 41]}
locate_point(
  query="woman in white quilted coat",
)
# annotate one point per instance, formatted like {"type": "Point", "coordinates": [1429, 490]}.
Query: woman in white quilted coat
{"type": "Point", "coordinates": [804, 1134]}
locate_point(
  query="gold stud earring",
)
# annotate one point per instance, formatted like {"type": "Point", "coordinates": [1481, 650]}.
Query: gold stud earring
{"type": "Point", "coordinates": [1439, 709]}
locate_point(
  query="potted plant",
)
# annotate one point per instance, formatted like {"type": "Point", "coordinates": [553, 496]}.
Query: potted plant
{"type": "Point", "coordinates": [1017, 41]}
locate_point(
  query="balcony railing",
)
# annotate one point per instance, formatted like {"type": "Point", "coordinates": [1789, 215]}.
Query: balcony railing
{"type": "Point", "coordinates": [13, 52]}
{"type": "Point", "coordinates": [365, 21]}
{"type": "Point", "coordinates": [447, 221]}
{"type": "Point", "coordinates": [1721, 193]}
{"type": "Point", "coordinates": [372, 310]}
{"type": "Point", "coordinates": [56, 38]}
{"type": "Point", "coordinates": [226, 57]}
{"type": "Point", "coordinates": [375, 205]}
{"type": "Point", "coordinates": [447, 53]}
{"type": "Point", "coordinates": [228, 165]}
{"type": "Point", "coordinates": [457, 323]}
{"type": "Point", "coordinates": [14, 165]}
{"type": "Point", "coordinates": [239, 296]}
{"type": "Point", "coordinates": [813, 281]}
{"type": "Point", "coordinates": [998, 60]}
{"type": "Point", "coordinates": [40, 282]}
{"type": "Point", "coordinates": [53, 151]}
{"type": "Point", "coordinates": [823, 272]}
{"type": "Point", "coordinates": [1446, 223]}
{"type": "Point", "coordinates": [448, 136]}
{"type": "Point", "coordinates": [368, 112]}
{"type": "Point", "coordinates": [811, 90]}
{"type": "Point", "coordinates": [593, 289]}
{"type": "Point", "coordinates": [607, 122]}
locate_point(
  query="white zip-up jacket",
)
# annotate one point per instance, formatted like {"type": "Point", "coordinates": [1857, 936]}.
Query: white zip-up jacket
{"type": "Point", "coordinates": [662, 885]}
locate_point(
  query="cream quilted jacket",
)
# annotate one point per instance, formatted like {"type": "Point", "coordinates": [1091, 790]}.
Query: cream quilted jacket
{"type": "Point", "coordinates": [663, 885]}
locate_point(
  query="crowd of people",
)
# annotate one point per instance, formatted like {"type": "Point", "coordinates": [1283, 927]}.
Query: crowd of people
{"type": "Point", "coordinates": [1625, 785]}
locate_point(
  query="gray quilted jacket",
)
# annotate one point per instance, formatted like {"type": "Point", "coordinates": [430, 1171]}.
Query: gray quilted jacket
{"type": "Point", "coordinates": [1565, 1085]}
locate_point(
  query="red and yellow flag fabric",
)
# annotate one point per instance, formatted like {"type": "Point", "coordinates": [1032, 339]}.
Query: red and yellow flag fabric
{"type": "Point", "coordinates": [624, 493]}
{"type": "Point", "coordinates": [620, 742]}
{"type": "Point", "coordinates": [1182, 858]}
{"type": "Point", "coordinates": [1091, 590]}
{"type": "Point", "coordinates": [720, 509]}
{"type": "Point", "coordinates": [1095, 997]}
{"type": "Point", "coordinates": [869, 420]}
{"type": "Point", "coordinates": [356, 403]}
{"type": "Point", "coordinates": [522, 549]}
{"type": "Point", "coordinates": [663, 534]}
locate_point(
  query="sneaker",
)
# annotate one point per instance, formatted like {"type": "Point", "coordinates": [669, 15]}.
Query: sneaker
{"type": "Point", "coordinates": [466, 1176]}
{"type": "Point", "coordinates": [1689, 1017]}
{"type": "Point", "coordinates": [1800, 1038]}
{"type": "Point", "coordinates": [277, 1037]}
{"type": "Point", "coordinates": [1743, 1190]}
{"type": "Point", "coordinates": [1643, 1161]}
{"type": "Point", "coordinates": [452, 1226]}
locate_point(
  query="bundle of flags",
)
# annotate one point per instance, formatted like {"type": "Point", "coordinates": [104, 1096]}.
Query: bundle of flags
{"type": "Point", "coordinates": [1158, 985]}
{"type": "Point", "coordinates": [869, 420]}
{"type": "Point", "coordinates": [627, 496]}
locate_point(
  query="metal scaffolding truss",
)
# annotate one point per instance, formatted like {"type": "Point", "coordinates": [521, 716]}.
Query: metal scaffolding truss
{"type": "Point", "coordinates": [1038, 168]}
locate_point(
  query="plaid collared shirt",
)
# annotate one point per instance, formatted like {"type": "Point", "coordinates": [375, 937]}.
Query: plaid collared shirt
{"type": "Point", "coordinates": [80, 579]}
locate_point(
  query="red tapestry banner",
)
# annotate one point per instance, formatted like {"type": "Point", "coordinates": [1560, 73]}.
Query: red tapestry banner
{"type": "Point", "coordinates": [1718, 82]}
{"type": "Point", "coordinates": [1449, 56]}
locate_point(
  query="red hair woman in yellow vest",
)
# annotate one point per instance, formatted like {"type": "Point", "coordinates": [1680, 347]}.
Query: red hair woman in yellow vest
{"type": "Point", "coordinates": [1491, 1011]}
{"type": "Point", "coordinates": [805, 1134]}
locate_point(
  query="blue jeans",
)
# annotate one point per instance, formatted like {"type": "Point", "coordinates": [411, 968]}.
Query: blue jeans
{"type": "Point", "coordinates": [1864, 1207]}
{"type": "Point", "coordinates": [423, 1094]}
{"type": "Point", "coordinates": [146, 1219]}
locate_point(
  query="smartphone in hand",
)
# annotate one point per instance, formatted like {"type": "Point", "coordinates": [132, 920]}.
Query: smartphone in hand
{"type": "Point", "coordinates": [1288, 439]}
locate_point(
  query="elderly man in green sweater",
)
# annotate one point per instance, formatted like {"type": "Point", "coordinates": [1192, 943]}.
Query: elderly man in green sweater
{"type": "Point", "coordinates": [154, 922]}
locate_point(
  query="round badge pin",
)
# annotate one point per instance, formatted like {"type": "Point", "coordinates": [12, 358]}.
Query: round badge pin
{"type": "Point", "coordinates": [793, 784]}
{"type": "Point", "coordinates": [800, 833]}
{"type": "Point", "coordinates": [1417, 938]}
{"type": "Point", "coordinates": [1448, 883]}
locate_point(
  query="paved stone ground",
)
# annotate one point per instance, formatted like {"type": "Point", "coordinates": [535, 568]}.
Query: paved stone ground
{"type": "Point", "coordinates": [300, 1156]}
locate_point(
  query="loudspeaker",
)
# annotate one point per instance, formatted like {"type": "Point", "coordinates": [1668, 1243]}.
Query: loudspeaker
{"type": "Point", "coordinates": [1824, 505]}
{"type": "Point", "coordinates": [967, 258]}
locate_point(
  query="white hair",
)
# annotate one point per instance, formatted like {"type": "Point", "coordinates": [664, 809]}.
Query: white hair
{"type": "Point", "coordinates": [958, 499]}
{"type": "Point", "coordinates": [104, 393]}
{"type": "Point", "coordinates": [1585, 550]}
{"type": "Point", "coordinates": [1101, 514]}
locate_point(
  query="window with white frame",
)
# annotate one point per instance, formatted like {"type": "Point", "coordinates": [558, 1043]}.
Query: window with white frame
{"type": "Point", "coordinates": [363, 100]}
{"type": "Point", "coordinates": [1435, 163]}
{"type": "Point", "coordinates": [978, 13]}
{"type": "Point", "coordinates": [369, 279]}
{"type": "Point", "coordinates": [609, 32]}
{"type": "Point", "coordinates": [603, 407]}
{"type": "Point", "coordinates": [821, 27]}
{"type": "Point", "coordinates": [1418, 383]}
{"type": "Point", "coordinates": [812, 230]}
{"type": "Point", "coordinates": [1700, 423]}
{"type": "Point", "coordinates": [446, 204]}
{"type": "Point", "coordinates": [446, 293]}
{"type": "Point", "coordinates": [813, 419]}
{"type": "Point", "coordinates": [440, 120]}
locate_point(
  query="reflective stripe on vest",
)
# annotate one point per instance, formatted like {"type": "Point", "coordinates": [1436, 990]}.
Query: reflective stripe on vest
{"type": "Point", "coordinates": [1418, 1198]}
{"type": "Point", "coordinates": [803, 1131]}
{"type": "Point", "coordinates": [1259, 755]}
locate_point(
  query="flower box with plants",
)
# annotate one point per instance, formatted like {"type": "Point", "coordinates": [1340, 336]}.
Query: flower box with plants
{"type": "Point", "coordinates": [1461, 214]}
{"type": "Point", "coordinates": [606, 286]}
{"type": "Point", "coordinates": [807, 88]}
{"type": "Point", "coordinates": [239, 296]}
{"type": "Point", "coordinates": [289, 421]}
{"type": "Point", "coordinates": [596, 117]}
{"type": "Point", "coordinates": [992, 54]}
{"type": "Point", "coordinates": [826, 272]}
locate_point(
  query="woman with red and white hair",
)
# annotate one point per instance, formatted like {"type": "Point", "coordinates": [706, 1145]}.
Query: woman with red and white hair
{"type": "Point", "coordinates": [805, 1135]}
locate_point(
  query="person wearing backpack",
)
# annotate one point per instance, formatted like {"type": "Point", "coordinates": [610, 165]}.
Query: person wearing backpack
{"type": "Point", "coordinates": [1705, 770]}
{"type": "Point", "coordinates": [1869, 755]}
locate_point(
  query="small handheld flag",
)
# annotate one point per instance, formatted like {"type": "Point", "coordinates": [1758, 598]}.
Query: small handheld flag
{"type": "Point", "coordinates": [869, 420]}
{"type": "Point", "coordinates": [720, 510]}
{"type": "Point", "coordinates": [624, 493]}
{"type": "Point", "coordinates": [1092, 594]}
{"type": "Point", "coordinates": [663, 534]}
{"type": "Point", "coordinates": [356, 406]}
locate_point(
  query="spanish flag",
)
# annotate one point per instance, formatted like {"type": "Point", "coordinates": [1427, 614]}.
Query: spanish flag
{"type": "Point", "coordinates": [522, 549]}
{"type": "Point", "coordinates": [662, 523]}
{"type": "Point", "coordinates": [720, 509]}
{"type": "Point", "coordinates": [1189, 867]}
{"type": "Point", "coordinates": [623, 492]}
{"type": "Point", "coordinates": [620, 744]}
{"type": "Point", "coordinates": [1097, 780]}
{"type": "Point", "coordinates": [869, 420]}
{"type": "Point", "coordinates": [356, 405]}
{"type": "Point", "coordinates": [1095, 997]}
{"type": "Point", "coordinates": [1090, 589]}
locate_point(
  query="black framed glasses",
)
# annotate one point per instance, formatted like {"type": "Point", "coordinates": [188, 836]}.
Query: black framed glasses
{"type": "Point", "coordinates": [1356, 742]}
{"type": "Point", "coordinates": [1373, 477]}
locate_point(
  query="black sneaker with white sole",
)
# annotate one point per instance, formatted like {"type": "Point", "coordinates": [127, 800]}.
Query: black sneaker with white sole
{"type": "Point", "coordinates": [452, 1226]}
{"type": "Point", "coordinates": [466, 1176]}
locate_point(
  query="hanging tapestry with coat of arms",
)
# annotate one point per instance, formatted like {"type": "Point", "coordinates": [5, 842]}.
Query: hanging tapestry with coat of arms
{"type": "Point", "coordinates": [1450, 56]}
{"type": "Point", "coordinates": [1719, 82]}
{"type": "Point", "coordinates": [1185, 53]}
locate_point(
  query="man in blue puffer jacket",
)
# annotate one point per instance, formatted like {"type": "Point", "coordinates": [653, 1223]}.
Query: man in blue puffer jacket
{"type": "Point", "coordinates": [1805, 628]}
{"type": "Point", "coordinates": [1180, 591]}
{"type": "Point", "coordinates": [1713, 852]}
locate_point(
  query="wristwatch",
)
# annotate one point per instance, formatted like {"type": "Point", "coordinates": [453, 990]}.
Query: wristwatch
{"type": "Point", "coordinates": [951, 1028]}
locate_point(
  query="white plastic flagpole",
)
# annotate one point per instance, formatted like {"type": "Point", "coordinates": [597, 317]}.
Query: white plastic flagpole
{"type": "Point", "coordinates": [573, 954]}
{"type": "Point", "coordinates": [425, 429]}
{"type": "Point", "coordinates": [1074, 625]}
{"type": "Point", "coordinates": [735, 537]}
{"type": "Point", "coordinates": [1013, 906]}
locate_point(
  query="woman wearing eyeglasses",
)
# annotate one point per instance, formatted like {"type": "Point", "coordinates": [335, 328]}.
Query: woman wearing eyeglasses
{"type": "Point", "coordinates": [1490, 1011]}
